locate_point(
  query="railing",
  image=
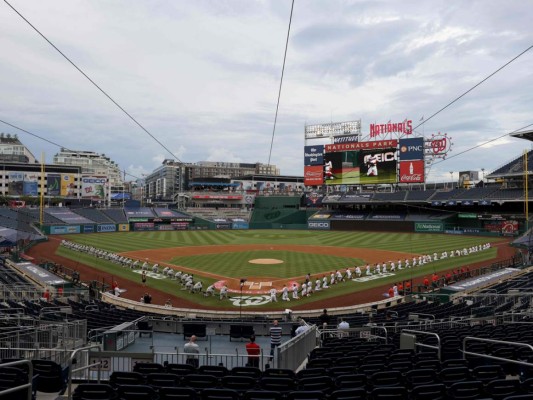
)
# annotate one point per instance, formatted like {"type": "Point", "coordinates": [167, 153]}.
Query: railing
{"type": "Point", "coordinates": [366, 332]}
{"type": "Point", "coordinates": [86, 364]}
{"type": "Point", "coordinates": [515, 344]}
{"type": "Point", "coordinates": [428, 346]}
{"type": "Point", "coordinates": [291, 354]}
{"type": "Point", "coordinates": [35, 342]}
{"type": "Point", "coordinates": [239, 359]}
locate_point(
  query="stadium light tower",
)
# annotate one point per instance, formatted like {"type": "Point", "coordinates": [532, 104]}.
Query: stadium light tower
{"type": "Point", "coordinates": [451, 178]}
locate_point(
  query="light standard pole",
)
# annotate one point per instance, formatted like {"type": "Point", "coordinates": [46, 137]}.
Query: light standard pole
{"type": "Point", "coordinates": [451, 178]}
{"type": "Point", "coordinates": [483, 176]}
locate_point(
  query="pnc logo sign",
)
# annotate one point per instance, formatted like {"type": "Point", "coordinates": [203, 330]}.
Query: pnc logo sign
{"type": "Point", "coordinates": [412, 149]}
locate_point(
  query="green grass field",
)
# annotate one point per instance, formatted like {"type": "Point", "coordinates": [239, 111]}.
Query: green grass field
{"type": "Point", "coordinates": [235, 264]}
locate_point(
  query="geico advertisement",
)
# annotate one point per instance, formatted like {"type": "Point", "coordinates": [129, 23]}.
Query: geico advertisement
{"type": "Point", "coordinates": [318, 225]}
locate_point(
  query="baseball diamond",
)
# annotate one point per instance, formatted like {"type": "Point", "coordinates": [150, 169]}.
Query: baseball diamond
{"type": "Point", "coordinates": [226, 262]}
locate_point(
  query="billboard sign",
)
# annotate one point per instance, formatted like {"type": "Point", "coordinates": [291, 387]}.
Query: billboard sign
{"type": "Point", "coordinates": [30, 184]}
{"type": "Point", "coordinates": [106, 228]}
{"type": "Point", "coordinates": [68, 186]}
{"type": "Point", "coordinates": [53, 184]}
{"type": "Point", "coordinates": [361, 167]}
{"type": "Point", "coordinates": [346, 139]}
{"type": "Point", "coordinates": [429, 227]}
{"type": "Point", "coordinates": [377, 144]}
{"type": "Point", "coordinates": [313, 175]}
{"type": "Point", "coordinates": [314, 155]}
{"type": "Point", "coordinates": [93, 187]}
{"type": "Point", "coordinates": [333, 129]}
{"type": "Point", "coordinates": [318, 225]}
{"type": "Point", "coordinates": [15, 186]}
{"type": "Point", "coordinates": [412, 149]}
{"type": "Point", "coordinates": [411, 171]}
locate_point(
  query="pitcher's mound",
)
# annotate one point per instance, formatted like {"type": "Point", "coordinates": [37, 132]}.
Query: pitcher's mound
{"type": "Point", "coordinates": [265, 261]}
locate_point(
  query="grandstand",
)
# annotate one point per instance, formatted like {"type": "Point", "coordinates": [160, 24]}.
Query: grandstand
{"type": "Point", "coordinates": [464, 336]}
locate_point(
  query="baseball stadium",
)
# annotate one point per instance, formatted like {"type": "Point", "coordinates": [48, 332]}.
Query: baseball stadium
{"type": "Point", "coordinates": [372, 291]}
{"type": "Point", "coordinates": [371, 276]}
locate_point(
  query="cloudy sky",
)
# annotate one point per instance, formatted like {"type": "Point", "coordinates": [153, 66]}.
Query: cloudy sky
{"type": "Point", "coordinates": [203, 76]}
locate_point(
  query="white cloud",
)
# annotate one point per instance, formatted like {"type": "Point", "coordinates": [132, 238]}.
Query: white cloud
{"type": "Point", "coordinates": [203, 76]}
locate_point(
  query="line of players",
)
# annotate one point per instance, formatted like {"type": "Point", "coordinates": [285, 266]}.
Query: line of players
{"type": "Point", "coordinates": [307, 288]}
{"type": "Point", "coordinates": [304, 290]}
{"type": "Point", "coordinates": [187, 280]}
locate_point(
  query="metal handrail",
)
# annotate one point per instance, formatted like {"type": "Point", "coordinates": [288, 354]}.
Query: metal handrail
{"type": "Point", "coordinates": [438, 348]}
{"type": "Point", "coordinates": [71, 363]}
{"type": "Point", "coordinates": [24, 386]}
{"type": "Point", "coordinates": [494, 357]}
{"type": "Point", "coordinates": [423, 314]}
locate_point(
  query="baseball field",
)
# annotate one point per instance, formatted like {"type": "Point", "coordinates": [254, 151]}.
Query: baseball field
{"type": "Point", "coordinates": [266, 259]}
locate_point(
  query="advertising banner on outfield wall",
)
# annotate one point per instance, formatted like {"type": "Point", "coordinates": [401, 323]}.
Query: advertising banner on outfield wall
{"type": "Point", "coordinates": [223, 226]}
{"type": "Point", "coordinates": [106, 228]}
{"type": "Point", "coordinates": [62, 230]}
{"type": "Point", "coordinates": [240, 225]}
{"type": "Point", "coordinates": [68, 185]}
{"type": "Point", "coordinates": [123, 227]}
{"type": "Point", "coordinates": [314, 155]}
{"type": "Point", "coordinates": [53, 184]}
{"type": "Point", "coordinates": [412, 149]}
{"type": "Point", "coordinates": [313, 175]}
{"type": "Point", "coordinates": [411, 171]}
{"type": "Point", "coordinates": [429, 227]}
{"type": "Point", "coordinates": [88, 228]}
{"type": "Point", "coordinates": [143, 226]}
{"type": "Point", "coordinates": [318, 225]}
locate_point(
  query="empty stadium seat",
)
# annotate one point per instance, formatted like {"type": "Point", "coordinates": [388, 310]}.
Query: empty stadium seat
{"type": "Point", "coordinates": [219, 394]}
{"type": "Point", "coordinates": [177, 393]}
{"type": "Point", "coordinates": [349, 394]}
{"type": "Point", "coordinates": [436, 391]}
{"type": "Point", "coordinates": [50, 376]}
{"type": "Point", "coordinates": [136, 392]}
{"type": "Point", "coordinates": [94, 391]}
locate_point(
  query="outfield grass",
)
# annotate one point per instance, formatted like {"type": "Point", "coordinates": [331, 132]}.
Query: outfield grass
{"type": "Point", "coordinates": [236, 264]}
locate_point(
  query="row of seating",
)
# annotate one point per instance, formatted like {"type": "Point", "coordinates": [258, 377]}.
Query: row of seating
{"type": "Point", "coordinates": [497, 390]}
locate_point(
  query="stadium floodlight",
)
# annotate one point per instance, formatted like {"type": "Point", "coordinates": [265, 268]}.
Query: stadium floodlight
{"type": "Point", "coordinates": [332, 129]}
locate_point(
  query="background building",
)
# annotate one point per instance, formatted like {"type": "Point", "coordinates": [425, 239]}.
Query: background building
{"type": "Point", "coordinates": [12, 150]}
{"type": "Point", "coordinates": [174, 177]}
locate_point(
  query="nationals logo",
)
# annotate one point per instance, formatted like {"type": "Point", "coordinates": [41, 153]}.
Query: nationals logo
{"type": "Point", "coordinates": [439, 145]}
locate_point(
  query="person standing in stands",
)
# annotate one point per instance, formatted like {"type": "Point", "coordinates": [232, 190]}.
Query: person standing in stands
{"type": "Point", "coordinates": [324, 319]}
{"type": "Point", "coordinates": [254, 352]}
{"type": "Point", "coordinates": [275, 337]}
{"type": "Point", "coordinates": [192, 350]}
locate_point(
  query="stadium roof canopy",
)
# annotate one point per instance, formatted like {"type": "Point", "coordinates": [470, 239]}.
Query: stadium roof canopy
{"type": "Point", "coordinates": [527, 135]}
